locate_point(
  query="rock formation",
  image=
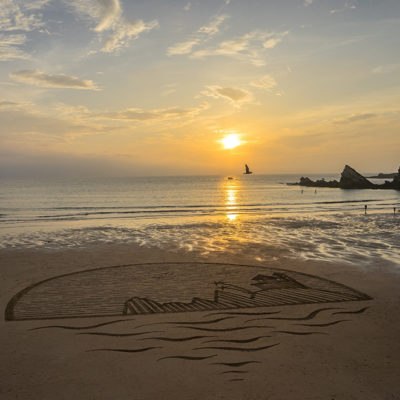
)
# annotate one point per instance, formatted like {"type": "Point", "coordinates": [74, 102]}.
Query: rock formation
{"type": "Point", "coordinates": [351, 179]}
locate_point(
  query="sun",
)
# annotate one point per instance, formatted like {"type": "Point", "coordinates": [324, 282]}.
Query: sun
{"type": "Point", "coordinates": [231, 141]}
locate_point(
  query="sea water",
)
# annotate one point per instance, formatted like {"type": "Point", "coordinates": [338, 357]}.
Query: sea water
{"type": "Point", "coordinates": [203, 213]}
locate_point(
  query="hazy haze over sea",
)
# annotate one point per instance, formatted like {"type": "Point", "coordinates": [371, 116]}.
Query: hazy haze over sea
{"type": "Point", "coordinates": [205, 214]}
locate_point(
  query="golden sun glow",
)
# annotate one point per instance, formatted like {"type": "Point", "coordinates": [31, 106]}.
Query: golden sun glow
{"type": "Point", "coordinates": [231, 141]}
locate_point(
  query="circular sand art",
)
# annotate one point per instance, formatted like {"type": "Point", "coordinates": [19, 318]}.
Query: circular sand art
{"type": "Point", "coordinates": [177, 287]}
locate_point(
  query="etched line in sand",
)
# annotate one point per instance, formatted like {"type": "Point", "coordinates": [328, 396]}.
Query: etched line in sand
{"type": "Point", "coordinates": [234, 372]}
{"type": "Point", "coordinates": [183, 339]}
{"type": "Point", "coordinates": [351, 312]}
{"type": "Point", "coordinates": [127, 350]}
{"type": "Point", "coordinates": [187, 358]}
{"type": "Point", "coordinates": [185, 322]}
{"type": "Point", "coordinates": [237, 364]}
{"type": "Point", "coordinates": [241, 313]}
{"type": "Point", "coordinates": [301, 333]}
{"type": "Point", "coordinates": [312, 315]}
{"type": "Point", "coordinates": [248, 349]}
{"type": "Point", "coordinates": [82, 327]}
{"type": "Point", "coordinates": [117, 334]}
{"type": "Point", "coordinates": [224, 329]}
{"type": "Point", "coordinates": [237, 340]}
{"type": "Point", "coordinates": [327, 324]}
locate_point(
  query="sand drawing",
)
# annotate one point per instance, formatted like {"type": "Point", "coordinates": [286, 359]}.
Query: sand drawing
{"type": "Point", "coordinates": [171, 288]}
{"type": "Point", "coordinates": [218, 314]}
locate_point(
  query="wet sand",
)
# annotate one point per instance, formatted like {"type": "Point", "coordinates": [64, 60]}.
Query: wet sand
{"type": "Point", "coordinates": [312, 351]}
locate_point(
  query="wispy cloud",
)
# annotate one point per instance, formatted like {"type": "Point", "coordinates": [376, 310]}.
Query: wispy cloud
{"type": "Point", "coordinates": [307, 3]}
{"type": "Point", "coordinates": [38, 78]}
{"type": "Point", "coordinates": [271, 43]}
{"type": "Point", "coordinates": [11, 47]}
{"type": "Point", "coordinates": [21, 15]}
{"type": "Point", "coordinates": [355, 118]}
{"type": "Point", "coordinates": [111, 23]}
{"type": "Point", "coordinates": [187, 6]}
{"type": "Point", "coordinates": [6, 105]}
{"type": "Point", "coordinates": [249, 47]}
{"type": "Point", "coordinates": [386, 69]}
{"type": "Point", "coordinates": [235, 96]}
{"type": "Point", "coordinates": [17, 17]}
{"type": "Point", "coordinates": [203, 34]}
{"type": "Point", "coordinates": [266, 82]}
{"type": "Point", "coordinates": [182, 47]}
{"type": "Point", "coordinates": [213, 27]}
{"type": "Point", "coordinates": [348, 5]}
{"type": "Point", "coordinates": [161, 114]}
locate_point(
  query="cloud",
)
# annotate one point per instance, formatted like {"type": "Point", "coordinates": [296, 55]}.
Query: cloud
{"type": "Point", "coordinates": [265, 82]}
{"type": "Point", "coordinates": [109, 19]}
{"type": "Point", "coordinates": [203, 34]}
{"type": "Point", "coordinates": [249, 47]}
{"type": "Point", "coordinates": [38, 78]}
{"type": "Point", "coordinates": [5, 104]}
{"type": "Point", "coordinates": [17, 17]}
{"type": "Point", "coordinates": [213, 27]}
{"type": "Point", "coordinates": [21, 15]}
{"type": "Point", "coordinates": [348, 5]}
{"type": "Point", "coordinates": [236, 96]}
{"type": "Point", "coordinates": [356, 118]}
{"type": "Point", "coordinates": [120, 36]}
{"type": "Point", "coordinates": [271, 43]}
{"type": "Point", "coordinates": [187, 6]}
{"type": "Point", "coordinates": [162, 114]}
{"type": "Point", "coordinates": [307, 3]}
{"type": "Point", "coordinates": [385, 69]}
{"type": "Point", "coordinates": [182, 48]}
{"type": "Point", "coordinates": [10, 47]}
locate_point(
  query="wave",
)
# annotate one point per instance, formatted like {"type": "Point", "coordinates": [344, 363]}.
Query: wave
{"type": "Point", "coordinates": [327, 324]}
{"type": "Point", "coordinates": [185, 322]}
{"type": "Point", "coordinates": [117, 334]}
{"type": "Point", "coordinates": [237, 364]}
{"type": "Point", "coordinates": [238, 340]}
{"type": "Point", "coordinates": [127, 350]}
{"type": "Point", "coordinates": [182, 339]}
{"type": "Point", "coordinates": [242, 313]}
{"type": "Point", "coordinates": [234, 372]}
{"type": "Point", "coordinates": [246, 349]}
{"type": "Point", "coordinates": [187, 357]}
{"type": "Point", "coordinates": [312, 315]}
{"type": "Point", "coordinates": [301, 333]}
{"type": "Point", "coordinates": [351, 312]}
{"type": "Point", "coordinates": [82, 327]}
{"type": "Point", "coordinates": [225, 329]}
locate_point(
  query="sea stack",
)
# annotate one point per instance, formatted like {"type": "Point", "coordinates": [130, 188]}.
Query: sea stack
{"type": "Point", "coordinates": [351, 179]}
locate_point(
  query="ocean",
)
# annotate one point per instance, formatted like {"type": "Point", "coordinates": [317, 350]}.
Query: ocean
{"type": "Point", "coordinates": [206, 214]}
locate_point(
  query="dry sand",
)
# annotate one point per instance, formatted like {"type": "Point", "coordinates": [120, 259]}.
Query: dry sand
{"type": "Point", "coordinates": [358, 358]}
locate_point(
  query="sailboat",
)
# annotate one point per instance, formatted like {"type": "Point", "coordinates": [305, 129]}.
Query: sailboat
{"type": "Point", "coordinates": [248, 172]}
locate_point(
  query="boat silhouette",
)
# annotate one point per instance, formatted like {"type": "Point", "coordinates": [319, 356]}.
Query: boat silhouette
{"type": "Point", "coordinates": [264, 291]}
{"type": "Point", "coordinates": [247, 172]}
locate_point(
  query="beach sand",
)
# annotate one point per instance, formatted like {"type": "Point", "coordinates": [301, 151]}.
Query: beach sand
{"type": "Point", "coordinates": [356, 358]}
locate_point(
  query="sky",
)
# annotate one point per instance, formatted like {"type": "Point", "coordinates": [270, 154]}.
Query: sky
{"type": "Point", "coordinates": [154, 87]}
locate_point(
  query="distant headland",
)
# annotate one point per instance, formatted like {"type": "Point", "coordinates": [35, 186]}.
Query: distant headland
{"type": "Point", "coordinates": [351, 179]}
